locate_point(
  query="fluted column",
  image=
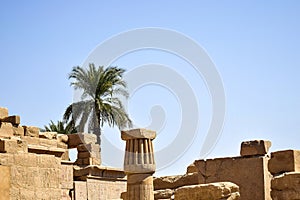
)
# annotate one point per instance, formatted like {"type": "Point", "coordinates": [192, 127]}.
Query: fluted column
{"type": "Point", "coordinates": [139, 163]}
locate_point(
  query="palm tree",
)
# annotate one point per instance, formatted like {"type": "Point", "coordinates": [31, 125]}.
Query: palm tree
{"type": "Point", "coordinates": [99, 102]}
{"type": "Point", "coordinates": [61, 127]}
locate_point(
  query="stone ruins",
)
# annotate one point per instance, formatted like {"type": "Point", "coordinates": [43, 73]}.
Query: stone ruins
{"type": "Point", "coordinates": [35, 165]}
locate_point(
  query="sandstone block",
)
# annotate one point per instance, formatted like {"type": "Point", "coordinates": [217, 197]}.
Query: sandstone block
{"type": "Point", "coordinates": [47, 143]}
{"type": "Point", "coordinates": [3, 112]}
{"type": "Point", "coordinates": [284, 161]}
{"type": "Point", "coordinates": [6, 159]}
{"type": "Point", "coordinates": [24, 177]}
{"type": "Point", "coordinates": [4, 182]}
{"type": "Point", "coordinates": [89, 148]}
{"type": "Point", "coordinates": [65, 194]}
{"type": "Point", "coordinates": [192, 169]}
{"type": "Point", "coordinates": [31, 140]}
{"type": "Point", "coordinates": [18, 130]}
{"type": "Point", "coordinates": [15, 120]}
{"type": "Point", "coordinates": [31, 131]}
{"type": "Point", "coordinates": [88, 161]}
{"type": "Point", "coordinates": [173, 182]}
{"type": "Point", "coordinates": [58, 152]}
{"type": "Point", "coordinates": [80, 189]}
{"type": "Point", "coordinates": [12, 146]}
{"type": "Point", "coordinates": [84, 154]}
{"type": "Point", "coordinates": [50, 178]}
{"type": "Point", "coordinates": [140, 186]}
{"type": "Point", "coordinates": [212, 191]}
{"type": "Point", "coordinates": [238, 170]}
{"type": "Point", "coordinates": [65, 155]}
{"type": "Point", "coordinates": [255, 148]}
{"type": "Point", "coordinates": [14, 193]}
{"type": "Point", "coordinates": [48, 161]}
{"type": "Point", "coordinates": [25, 159]}
{"type": "Point", "coordinates": [286, 186]}
{"type": "Point", "coordinates": [48, 135]}
{"type": "Point", "coordinates": [81, 138]}
{"type": "Point", "coordinates": [138, 133]}
{"type": "Point", "coordinates": [163, 194]}
{"type": "Point", "coordinates": [62, 145]}
{"type": "Point", "coordinates": [27, 194]}
{"type": "Point", "coordinates": [88, 154]}
{"type": "Point", "coordinates": [66, 174]}
{"type": "Point", "coordinates": [6, 130]}
{"type": "Point", "coordinates": [63, 138]}
{"type": "Point", "coordinates": [40, 141]}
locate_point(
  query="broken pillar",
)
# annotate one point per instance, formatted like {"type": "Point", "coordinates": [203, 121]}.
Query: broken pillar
{"type": "Point", "coordinates": [139, 163]}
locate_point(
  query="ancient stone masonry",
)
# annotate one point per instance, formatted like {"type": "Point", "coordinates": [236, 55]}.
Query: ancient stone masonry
{"type": "Point", "coordinates": [139, 164]}
{"type": "Point", "coordinates": [35, 165]}
{"type": "Point", "coordinates": [285, 166]}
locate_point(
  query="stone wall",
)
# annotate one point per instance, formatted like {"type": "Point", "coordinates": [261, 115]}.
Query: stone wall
{"type": "Point", "coordinates": [285, 166]}
{"type": "Point", "coordinates": [249, 171]}
{"type": "Point", "coordinates": [35, 165]}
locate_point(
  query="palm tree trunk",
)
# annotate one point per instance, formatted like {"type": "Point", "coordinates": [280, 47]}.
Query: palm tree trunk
{"type": "Point", "coordinates": [97, 128]}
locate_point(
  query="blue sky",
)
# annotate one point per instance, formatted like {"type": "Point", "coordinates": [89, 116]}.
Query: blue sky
{"type": "Point", "coordinates": [254, 45]}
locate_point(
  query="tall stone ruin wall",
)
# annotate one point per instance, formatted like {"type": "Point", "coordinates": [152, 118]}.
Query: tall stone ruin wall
{"type": "Point", "coordinates": [35, 165]}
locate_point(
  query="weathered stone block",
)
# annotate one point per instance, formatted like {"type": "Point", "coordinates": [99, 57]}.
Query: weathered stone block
{"type": "Point", "coordinates": [66, 176]}
{"type": "Point", "coordinates": [255, 147]}
{"type": "Point", "coordinates": [47, 143]}
{"type": "Point", "coordinates": [58, 152]}
{"type": "Point", "coordinates": [18, 130]}
{"type": "Point", "coordinates": [65, 156]}
{"type": "Point", "coordinates": [81, 138]}
{"type": "Point", "coordinates": [4, 182]}
{"type": "Point", "coordinates": [31, 140]}
{"type": "Point", "coordinates": [15, 120]}
{"type": "Point", "coordinates": [163, 194]}
{"type": "Point", "coordinates": [84, 154]}
{"type": "Point", "coordinates": [199, 166]}
{"type": "Point", "coordinates": [140, 186]}
{"type": "Point", "coordinates": [14, 193]}
{"type": "Point", "coordinates": [24, 177]}
{"type": "Point", "coordinates": [192, 169]}
{"type": "Point", "coordinates": [212, 191]}
{"type": "Point", "coordinates": [50, 178]}
{"type": "Point", "coordinates": [48, 161]}
{"type": "Point", "coordinates": [286, 186]}
{"type": "Point", "coordinates": [173, 182]}
{"type": "Point", "coordinates": [80, 189]}
{"type": "Point", "coordinates": [25, 159]}
{"type": "Point", "coordinates": [66, 194]}
{"type": "Point", "coordinates": [88, 161]}
{"type": "Point", "coordinates": [31, 131]}
{"type": "Point", "coordinates": [6, 130]}
{"type": "Point", "coordinates": [62, 145]}
{"type": "Point", "coordinates": [12, 146]}
{"type": "Point", "coordinates": [87, 154]}
{"type": "Point", "coordinates": [48, 135]}
{"type": "Point", "coordinates": [93, 148]}
{"type": "Point", "coordinates": [284, 161]}
{"type": "Point", "coordinates": [3, 112]}
{"type": "Point", "coordinates": [62, 138]}
{"type": "Point", "coordinates": [7, 159]}
{"type": "Point", "coordinates": [138, 133]}
{"type": "Point", "coordinates": [239, 170]}
{"type": "Point", "coordinates": [27, 194]}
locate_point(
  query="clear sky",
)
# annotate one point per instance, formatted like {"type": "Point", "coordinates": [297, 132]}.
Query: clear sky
{"type": "Point", "coordinates": [254, 45]}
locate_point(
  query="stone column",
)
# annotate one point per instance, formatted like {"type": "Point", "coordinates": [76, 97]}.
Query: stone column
{"type": "Point", "coordinates": [139, 163]}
